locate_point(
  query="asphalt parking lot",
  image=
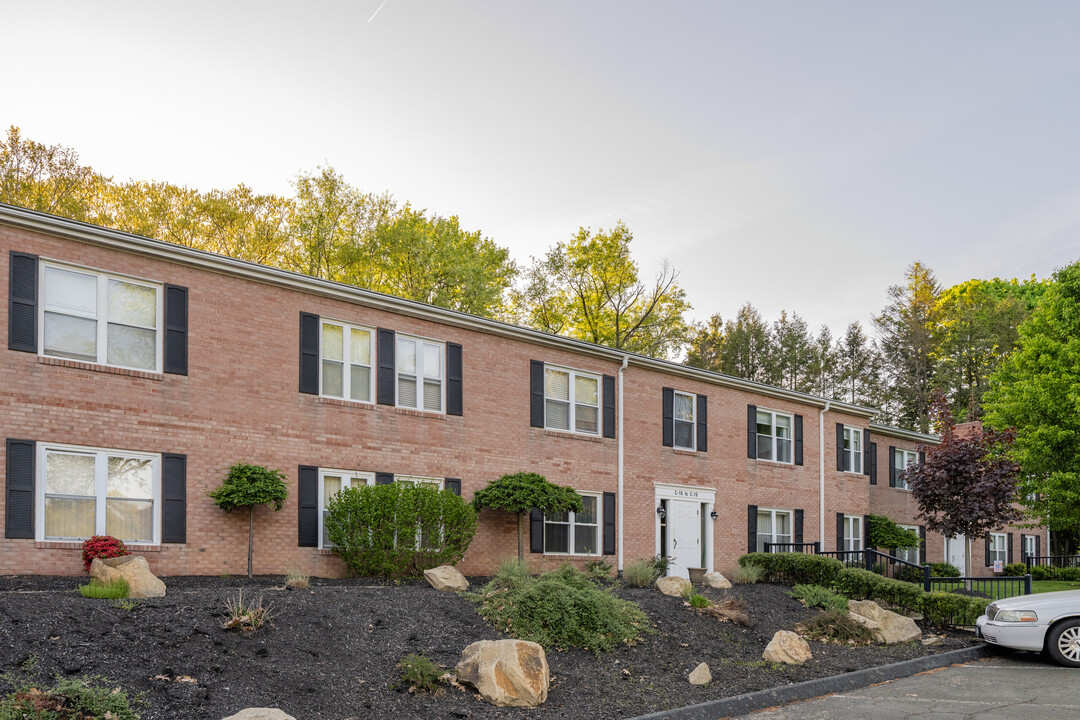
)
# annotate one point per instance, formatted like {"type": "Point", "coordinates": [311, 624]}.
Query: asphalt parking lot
{"type": "Point", "coordinates": [1011, 686]}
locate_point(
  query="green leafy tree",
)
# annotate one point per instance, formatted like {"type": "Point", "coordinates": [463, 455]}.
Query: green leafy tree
{"type": "Point", "coordinates": [46, 178]}
{"type": "Point", "coordinates": [747, 349]}
{"type": "Point", "coordinates": [881, 532]}
{"type": "Point", "coordinates": [792, 348]}
{"type": "Point", "coordinates": [1036, 390]}
{"type": "Point", "coordinates": [247, 486]}
{"type": "Point", "coordinates": [822, 366]}
{"type": "Point", "coordinates": [707, 344]}
{"type": "Point", "coordinates": [859, 367]}
{"type": "Point", "coordinates": [520, 492]}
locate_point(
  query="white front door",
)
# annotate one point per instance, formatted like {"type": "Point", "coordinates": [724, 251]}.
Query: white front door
{"type": "Point", "coordinates": [684, 525]}
{"type": "Point", "coordinates": [956, 552]}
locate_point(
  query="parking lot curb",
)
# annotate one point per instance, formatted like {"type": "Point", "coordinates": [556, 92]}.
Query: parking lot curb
{"type": "Point", "coordinates": [751, 702]}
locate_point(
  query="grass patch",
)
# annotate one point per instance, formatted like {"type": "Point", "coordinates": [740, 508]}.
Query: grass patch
{"type": "Point", "coordinates": [747, 575]}
{"type": "Point", "coordinates": [80, 698]}
{"type": "Point", "coordinates": [837, 626]}
{"type": "Point", "coordinates": [1045, 586]}
{"type": "Point", "coordinates": [296, 579]}
{"type": "Point", "coordinates": [638, 573]}
{"type": "Point", "coordinates": [112, 590]}
{"type": "Point", "coordinates": [818, 596]}
{"type": "Point", "coordinates": [246, 617]}
{"type": "Point", "coordinates": [125, 604]}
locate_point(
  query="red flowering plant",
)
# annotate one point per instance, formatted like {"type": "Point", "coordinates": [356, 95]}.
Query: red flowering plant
{"type": "Point", "coordinates": [101, 546]}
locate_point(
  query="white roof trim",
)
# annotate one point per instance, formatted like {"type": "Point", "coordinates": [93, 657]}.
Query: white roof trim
{"type": "Point", "coordinates": [889, 431]}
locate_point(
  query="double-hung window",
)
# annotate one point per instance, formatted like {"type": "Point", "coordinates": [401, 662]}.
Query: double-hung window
{"type": "Point", "coordinates": [100, 318]}
{"type": "Point", "coordinates": [420, 374]}
{"type": "Point", "coordinates": [902, 460]}
{"type": "Point", "coordinates": [774, 435]}
{"type": "Point", "coordinates": [571, 400]}
{"type": "Point", "coordinates": [1029, 547]}
{"type": "Point", "coordinates": [574, 533]}
{"type": "Point", "coordinates": [331, 482]}
{"type": "Point", "coordinates": [773, 526]}
{"type": "Point", "coordinates": [998, 548]}
{"type": "Point", "coordinates": [345, 351]}
{"type": "Point", "coordinates": [91, 491]}
{"type": "Point", "coordinates": [683, 419]}
{"type": "Point", "coordinates": [853, 535]}
{"type": "Point", "coordinates": [852, 449]}
{"type": "Point", "coordinates": [911, 554]}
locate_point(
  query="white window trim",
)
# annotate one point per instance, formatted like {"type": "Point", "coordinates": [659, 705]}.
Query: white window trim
{"type": "Point", "coordinates": [772, 427]}
{"type": "Point", "coordinates": [693, 422]}
{"type": "Point", "coordinates": [419, 480]}
{"type": "Point", "coordinates": [1004, 539]}
{"type": "Point", "coordinates": [1029, 539]}
{"type": "Point", "coordinates": [346, 380]}
{"type": "Point", "coordinates": [853, 435]}
{"type": "Point", "coordinates": [774, 512]}
{"type": "Point", "coordinates": [573, 524]}
{"type": "Point", "coordinates": [572, 395]}
{"type": "Point", "coordinates": [101, 479]}
{"type": "Point", "coordinates": [853, 522]}
{"type": "Point", "coordinates": [102, 316]}
{"type": "Point", "coordinates": [916, 548]}
{"type": "Point", "coordinates": [906, 462]}
{"type": "Point", "coordinates": [353, 477]}
{"type": "Point", "coordinates": [419, 374]}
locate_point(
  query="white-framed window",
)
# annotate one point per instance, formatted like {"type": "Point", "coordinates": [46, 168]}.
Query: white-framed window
{"type": "Point", "coordinates": [84, 491]}
{"type": "Point", "coordinates": [774, 433]}
{"type": "Point", "coordinates": [911, 554]}
{"type": "Point", "coordinates": [1029, 547]}
{"type": "Point", "coordinates": [571, 400]}
{"type": "Point", "coordinates": [853, 535]}
{"type": "Point", "coordinates": [345, 362]}
{"type": "Point", "coordinates": [773, 526]}
{"type": "Point", "coordinates": [998, 548]}
{"type": "Point", "coordinates": [420, 374]}
{"type": "Point", "coordinates": [331, 482]}
{"type": "Point", "coordinates": [100, 318]}
{"type": "Point", "coordinates": [902, 460]}
{"type": "Point", "coordinates": [853, 450]}
{"type": "Point", "coordinates": [572, 533]}
{"type": "Point", "coordinates": [684, 419]}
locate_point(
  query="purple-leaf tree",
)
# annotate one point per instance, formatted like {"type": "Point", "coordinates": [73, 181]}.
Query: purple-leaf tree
{"type": "Point", "coordinates": [967, 485]}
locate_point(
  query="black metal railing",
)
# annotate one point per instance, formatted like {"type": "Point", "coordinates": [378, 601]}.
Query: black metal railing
{"type": "Point", "coordinates": [850, 558]}
{"type": "Point", "coordinates": [811, 548]}
{"type": "Point", "coordinates": [991, 587]}
{"type": "Point", "coordinates": [895, 568]}
{"type": "Point", "coordinates": [1059, 561]}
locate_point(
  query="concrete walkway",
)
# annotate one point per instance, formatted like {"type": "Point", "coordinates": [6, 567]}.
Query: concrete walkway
{"type": "Point", "coordinates": [1014, 686]}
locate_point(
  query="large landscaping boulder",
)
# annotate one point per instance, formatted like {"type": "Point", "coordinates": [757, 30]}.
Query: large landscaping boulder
{"type": "Point", "coordinates": [507, 673]}
{"type": "Point", "coordinates": [886, 626]}
{"type": "Point", "coordinates": [674, 585]}
{"type": "Point", "coordinates": [787, 647]}
{"type": "Point", "coordinates": [717, 581]}
{"type": "Point", "coordinates": [260, 714]}
{"type": "Point", "coordinates": [701, 675]}
{"type": "Point", "coordinates": [141, 582]}
{"type": "Point", "coordinates": [446, 577]}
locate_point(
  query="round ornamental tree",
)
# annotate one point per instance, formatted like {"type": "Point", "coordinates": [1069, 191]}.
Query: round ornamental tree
{"type": "Point", "coordinates": [520, 492]}
{"type": "Point", "coordinates": [248, 486]}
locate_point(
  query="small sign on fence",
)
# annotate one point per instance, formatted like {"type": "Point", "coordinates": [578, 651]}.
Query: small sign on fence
{"type": "Point", "coordinates": [999, 566]}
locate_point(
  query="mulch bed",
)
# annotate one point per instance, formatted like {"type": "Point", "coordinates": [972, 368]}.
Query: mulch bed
{"type": "Point", "coordinates": [331, 652]}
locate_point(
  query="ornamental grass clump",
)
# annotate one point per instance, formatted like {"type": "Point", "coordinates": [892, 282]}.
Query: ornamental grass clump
{"type": "Point", "coordinates": [818, 596]}
{"type": "Point", "coordinates": [102, 546]}
{"type": "Point", "coordinates": [638, 573]}
{"type": "Point", "coordinates": [112, 590]}
{"type": "Point", "coordinates": [247, 617]}
{"type": "Point", "coordinates": [559, 610]}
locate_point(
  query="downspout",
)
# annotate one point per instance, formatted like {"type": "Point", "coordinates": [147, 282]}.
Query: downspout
{"type": "Point", "coordinates": [821, 473]}
{"type": "Point", "coordinates": [619, 527]}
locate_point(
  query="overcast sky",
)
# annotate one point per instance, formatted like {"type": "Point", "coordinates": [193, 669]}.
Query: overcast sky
{"type": "Point", "coordinates": [794, 154]}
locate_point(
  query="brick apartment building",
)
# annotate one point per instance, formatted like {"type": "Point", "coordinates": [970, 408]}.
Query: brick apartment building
{"type": "Point", "coordinates": [136, 371]}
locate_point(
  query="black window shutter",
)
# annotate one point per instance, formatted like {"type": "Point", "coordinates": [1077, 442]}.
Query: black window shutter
{"type": "Point", "coordinates": [536, 531]}
{"type": "Point", "coordinates": [384, 478]}
{"type": "Point", "coordinates": [22, 304]}
{"type": "Point", "coordinates": [536, 395]}
{"type": "Point", "coordinates": [751, 528]}
{"type": "Point", "coordinates": [703, 423]}
{"type": "Point", "coordinates": [609, 523]}
{"type": "Point", "coordinates": [667, 416]}
{"type": "Point", "coordinates": [1038, 545]}
{"type": "Point", "coordinates": [798, 440]}
{"type": "Point", "coordinates": [173, 498]}
{"type": "Point", "coordinates": [1008, 547]}
{"type": "Point", "coordinates": [798, 527]}
{"type": "Point", "coordinates": [609, 406]}
{"type": "Point", "coordinates": [986, 541]}
{"type": "Point", "coordinates": [922, 457]}
{"type": "Point", "coordinates": [176, 330]}
{"type": "Point", "coordinates": [453, 379]}
{"type": "Point", "coordinates": [751, 433]}
{"type": "Point", "coordinates": [453, 485]}
{"type": "Point", "coordinates": [307, 493]}
{"type": "Point", "coordinates": [873, 463]}
{"type": "Point", "coordinates": [20, 489]}
{"type": "Point", "coordinates": [866, 452]}
{"type": "Point", "coordinates": [839, 531]}
{"type": "Point", "coordinates": [922, 544]}
{"type": "Point", "coordinates": [840, 447]}
{"type": "Point", "coordinates": [892, 466]}
{"type": "Point", "coordinates": [866, 532]}
{"type": "Point", "coordinates": [309, 353]}
{"type": "Point", "coordinates": [385, 383]}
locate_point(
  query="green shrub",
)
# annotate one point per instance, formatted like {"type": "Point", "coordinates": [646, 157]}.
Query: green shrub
{"type": "Point", "coordinates": [512, 574]}
{"type": "Point", "coordinates": [660, 565]}
{"type": "Point", "coordinates": [909, 574]}
{"type": "Point", "coordinates": [561, 609]}
{"type": "Point", "coordinates": [881, 532]}
{"type": "Point", "coordinates": [943, 569]}
{"type": "Point", "coordinates": [818, 596]}
{"type": "Point", "coordinates": [747, 575]}
{"type": "Point", "coordinates": [859, 584]}
{"type": "Point", "coordinates": [599, 570]}
{"type": "Point", "coordinates": [80, 698]}
{"type": "Point", "coordinates": [836, 626]}
{"type": "Point", "coordinates": [399, 529]}
{"type": "Point", "coordinates": [112, 590]}
{"type": "Point", "coordinates": [699, 601]}
{"type": "Point", "coordinates": [1066, 574]}
{"type": "Point", "coordinates": [419, 673]}
{"type": "Point", "coordinates": [638, 573]}
{"type": "Point", "coordinates": [794, 567]}
{"type": "Point", "coordinates": [942, 608]}
{"type": "Point", "coordinates": [1014, 570]}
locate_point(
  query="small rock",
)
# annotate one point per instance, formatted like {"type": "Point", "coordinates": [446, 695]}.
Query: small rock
{"type": "Point", "coordinates": [673, 585]}
{"type": "Point", "coordinates": [932, 641]}
{"type": "Point", "coordinates": [717, 581]}
{"type": "Point", "coordinates": [141, 582]}
{"type": "Point", "coordinates": [507, 673]}
{"type": "Point", "coordinates": [446, 577]}
{"type": "Point", "coordinates": [260, 714]}
{"type": "Point", "coordinates": [887, 627]}
{"type": "Point", "coordinates": [787, 647]}
{"type": "Point", "coordinates": [701, 675]}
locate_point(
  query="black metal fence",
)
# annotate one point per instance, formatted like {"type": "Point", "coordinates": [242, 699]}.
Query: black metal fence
{"type": "Point", "coordinates": [992, 587]}
{"type": "Point", "coordinates": [811, 548]}
{"type": "Point", "coordinates": [1059, 561]}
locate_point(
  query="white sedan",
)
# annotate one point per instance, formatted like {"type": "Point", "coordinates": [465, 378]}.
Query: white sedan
{"type": "Point", "coordinates": [1047, 621]}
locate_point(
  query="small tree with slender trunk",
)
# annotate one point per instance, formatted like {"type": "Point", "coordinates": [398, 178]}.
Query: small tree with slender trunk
{"type": "Point", "coordinates": [968, 483]}
{"type": "Point", "coordinates": [248, 486]}
{"type": "Point", "coordinates": [520, 492]}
